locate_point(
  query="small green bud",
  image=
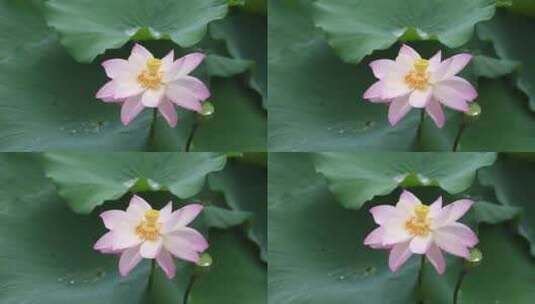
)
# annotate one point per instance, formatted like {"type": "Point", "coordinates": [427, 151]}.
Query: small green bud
{"type": "Point", "coordinates": [474, 259]}
{"type": "Point", "coordinates": [474, 110]}
{"type": "Point", "coordinates": [208, 109]}
{"type": "Point", "coordinates": [205, 260]}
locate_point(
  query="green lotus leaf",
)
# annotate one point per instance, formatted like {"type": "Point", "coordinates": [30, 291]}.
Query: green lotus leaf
{"type": "Point", "coordinates": [22, 25]}
{"type": "Point", "coordinates": [315, 246]}
{"type": "Point", "coordinates": [294, 12]}
{"type": "Point", "coordinates": [357, 28]}
{"type": "Point", "coordinates": [511, 179]}
{"type": "Point", "coordinates": [246, 38]}
{"type": "Point", "coordinates": [317, 256]}
{"type": "Point", "coordinates": [511, 35]}
{"type": "Point", "coordinates": [88, 28]}
{"type": "Point", "coordinates": [49, 248]}
{"type": "Point", "coordinates": [238, 123]}
{"type": "Point", "coordinates": [48, 99]}
{"type": "Point", "coordinates": [355, 178]}
{"type": "Point", "coordinates": [48, 256]}
{"type": "Point", "coordinates": [236, 273]}
{"type": "Point", "coordinates": [45, 107]}
{"type": "Point", "coordinates": [86, 180]}
{"type": "Point", "coordinates": [225, 67]}
{"type": "Point", "coordinates": [505, 260]}
{"type": "Point", "coordinates": [245, 190]}
{"type": "Point", "coordinates": [524, 7]}
{"type": "Point", "coordinates": [316, 104]}
{"type": "Point", "coordinates": [505, 123]}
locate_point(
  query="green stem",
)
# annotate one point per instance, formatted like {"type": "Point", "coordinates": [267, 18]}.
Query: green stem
{"type": "Point", "coordinates": [458, 136]}
{"type": "Point", "coordinates": [190, 139]}
{"type": "Point", "coordinates": [460, 280]}
{"type": "Point", "coordinates": [420, 127]}
{"type": "Point", "coordinates": [152, 272]}
{"type": "Point", "coordinates": [192, 280]}
{"type": "Point", "coordinates": [420, 275]}
{"type": "Point", "coordinates": [153, 127]}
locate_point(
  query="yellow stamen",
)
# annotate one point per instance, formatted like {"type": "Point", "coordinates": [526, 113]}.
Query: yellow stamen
{"type": "Point", "coordinates": [149, 229]}
{"type": "Point", "coordinates": [418, 77]}
{"type": "Point", "coordinates": [418, 225]}
{"type": "Point", "coordinates": [153, 65]}
{"type": "Point", "coordinates": [151, 77]}
{"type": "Point", "coordinates": [152, 216]}
{"type": "Point", "coordinates": [421, 212]}
{"type": "Point", "coordinates": [421, 65]}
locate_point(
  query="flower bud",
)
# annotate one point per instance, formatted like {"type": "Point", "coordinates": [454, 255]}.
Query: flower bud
{"type": "Point", "coordinates": [205, 260]}
{"type": "Point", "coordinates": [204, 264]}
{"type": "Point", "coordinates": [474, 259]}
{"type": "Point", "coordinates": [474, 110]}
{"type": "Point", "coordinates": [208, 109]}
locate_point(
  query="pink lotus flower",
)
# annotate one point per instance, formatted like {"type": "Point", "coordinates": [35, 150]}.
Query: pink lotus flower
{"type": "Point", "coordinates": [144, 81]}
{"type": "Point", "coordinates": [414, 228]}
{"type": "Point", "coordinates": [413, 82]}
{"type": "Point", "coordinates": [142, 232]}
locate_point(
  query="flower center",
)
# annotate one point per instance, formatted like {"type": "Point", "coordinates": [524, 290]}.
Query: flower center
{"type": "Point", "coordinates": [151, 77]}
{"type": "Point", "coordinates": [418, 77]}
{"type": "Point", "coordinates": [149, 229]}
{"type": "Point", "coordinates": [418, 225]}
